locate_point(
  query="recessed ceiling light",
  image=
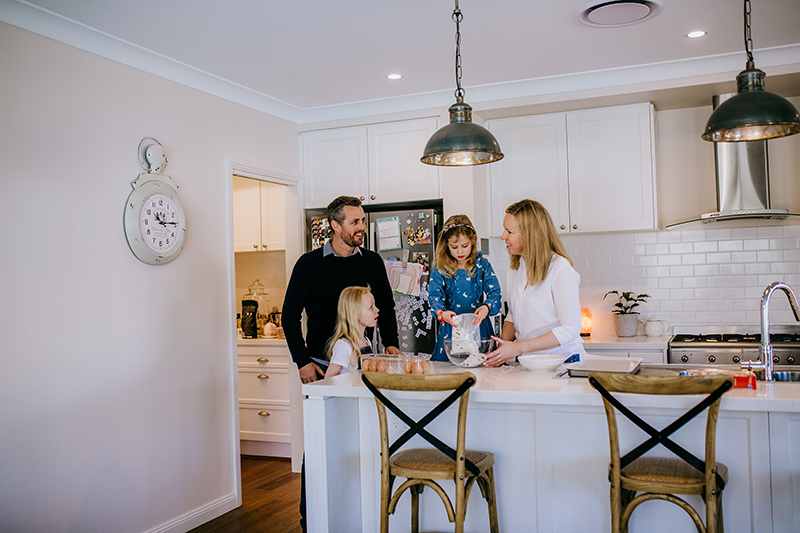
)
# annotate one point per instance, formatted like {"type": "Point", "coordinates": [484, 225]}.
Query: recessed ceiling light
{"type": "Point", "coordinates": [394, 76]}
{"type": "Point", "coordinates": [695, 34]}
{"type": "Point", "coordinates": [618, 12]}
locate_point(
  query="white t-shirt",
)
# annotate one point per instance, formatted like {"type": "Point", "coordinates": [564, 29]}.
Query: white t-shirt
{"type": "Point", "coordinates": [342, 354]}
{"type": "Point", "coordinates": [552, 305]}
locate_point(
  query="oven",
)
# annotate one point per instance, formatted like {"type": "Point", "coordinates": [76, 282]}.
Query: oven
{"type": "Point", "coordinates": [710, 345]}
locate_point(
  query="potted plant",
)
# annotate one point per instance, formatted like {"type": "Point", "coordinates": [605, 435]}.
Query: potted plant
{"type": "Point", "coordinates": [625, 318]}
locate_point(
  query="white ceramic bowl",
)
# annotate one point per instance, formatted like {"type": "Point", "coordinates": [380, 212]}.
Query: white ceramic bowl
{"type": "Point", "coordinates": [541, 362]}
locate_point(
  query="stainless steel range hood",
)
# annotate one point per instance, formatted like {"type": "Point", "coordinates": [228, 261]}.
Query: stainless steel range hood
{"type": "Point", "coordinates": [742, 183]}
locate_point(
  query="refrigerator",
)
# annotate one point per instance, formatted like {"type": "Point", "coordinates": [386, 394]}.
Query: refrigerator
{"type": "Point", "coordinates": [399, 232]}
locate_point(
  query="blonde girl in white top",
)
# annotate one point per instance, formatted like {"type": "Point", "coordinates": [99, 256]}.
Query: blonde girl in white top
{"type": "Point", "coordinates": [544, 305]}
{"type": "Point", "coordinates": [356, 312]}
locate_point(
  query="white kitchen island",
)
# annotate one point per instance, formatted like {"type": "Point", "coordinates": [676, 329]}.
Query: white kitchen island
{"type": "Point", "coordinates": [550, 440]}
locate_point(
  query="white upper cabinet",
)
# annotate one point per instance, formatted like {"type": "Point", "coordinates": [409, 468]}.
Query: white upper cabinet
{"type": "Point", "coordinates": [334, 163]}
{"type": "Point", "coordinates": [611, 177]}
{"type": "Point", "coordinates": [259, 216]}
{"type": "Point", "coordinates": [377, 163]}
{"type": "Point", "coordinates": [395, 172]}
{"type": "Point", "coordinates": [593, 170]}
{"type": "Point", "coordinates": [535, 166]}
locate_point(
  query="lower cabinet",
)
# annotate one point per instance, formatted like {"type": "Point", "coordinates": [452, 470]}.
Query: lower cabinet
{"type": "Point", "coordinates": [784, 440]}
{"type": "Point", "coordinates": [269, 401]}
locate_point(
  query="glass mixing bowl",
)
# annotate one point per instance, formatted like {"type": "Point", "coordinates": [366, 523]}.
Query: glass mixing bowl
{"type": "Point", "coordinates": [468, 354]}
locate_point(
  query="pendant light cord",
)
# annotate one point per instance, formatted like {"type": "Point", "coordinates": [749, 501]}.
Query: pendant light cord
{"type": "Point", "coordinates": [748, 38]}
{"type": "Point", "coordinates": [457, 18]}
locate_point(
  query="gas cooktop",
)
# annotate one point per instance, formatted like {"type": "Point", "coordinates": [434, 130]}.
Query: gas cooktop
{"type": "Point", "coordinates": [732, 345]}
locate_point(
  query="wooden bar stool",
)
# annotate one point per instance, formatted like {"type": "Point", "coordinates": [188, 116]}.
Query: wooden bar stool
{"type": "Point", "coordinates": [422, 466]}
{"type": "Point", "coordinates": [662, 478]}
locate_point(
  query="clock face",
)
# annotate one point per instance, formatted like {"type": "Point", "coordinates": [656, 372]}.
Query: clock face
{"type": "Point", "coordinates": [159, 223]}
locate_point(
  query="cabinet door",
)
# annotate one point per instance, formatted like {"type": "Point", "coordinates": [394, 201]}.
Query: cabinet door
{"type": "Point", "coordinates": [273, 217]}
{"type": "Point", "coordinates": [605, 353]}
{"type": "Point", "coordinates": [534, 167]}
{"type": "Point", "coordinates": [650, 356]}
{"type": "Point", "coordinates": [395, 172]}
{"type": "Point", "coordinates": [246, 215]}
{"type": "Point", "coordinates": [334, 164]}
{"type": "Point", "coordinates": [611, 177]}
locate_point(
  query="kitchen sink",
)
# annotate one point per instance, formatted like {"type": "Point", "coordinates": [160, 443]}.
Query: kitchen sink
{"type": "Point", "coordinates": [786, 376]}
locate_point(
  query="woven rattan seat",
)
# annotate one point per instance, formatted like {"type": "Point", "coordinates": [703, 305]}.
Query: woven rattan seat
{"type": "Point", "coordinates": [658, 478]}
{"type": "Point", "coordinates": [421, 466]}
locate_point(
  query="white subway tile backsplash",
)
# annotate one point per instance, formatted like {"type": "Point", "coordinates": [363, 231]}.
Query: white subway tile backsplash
{"type": "Point", "coordinates": [681, 271]}
{"type": "Point", "coordinates": [756, 244]}
{"type": "Point", "coordinates": [730, 246]}
{"type": "Point", "coordinates": [743, 257]}
{"type": "Point", "coordinates": [709, 276]}
{"type": "Point", "coordinates": [681, 248]}
{"type": "Point", "coordinates": [744, 233]}
{"type": "Point", "coordinates": [774, 231]}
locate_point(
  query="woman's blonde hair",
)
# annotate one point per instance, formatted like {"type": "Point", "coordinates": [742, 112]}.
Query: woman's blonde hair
{"type": "Point", "coordinates": [539, 238]}
{"type": "Point", "coordinates": [347, 325]}
{"type": "Point", "coordinates": [455, 226]}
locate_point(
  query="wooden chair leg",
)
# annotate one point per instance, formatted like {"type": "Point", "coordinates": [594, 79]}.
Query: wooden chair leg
{"type": "Point", "coordinates": [491, 501]}
{"type": "Point", "coordinates": [461, 505]}
{"type": "Point", "coordinates": [616, 508]}
{"type": "Point", "coordinates": [720, 521]}
{"type": "Point", "coordinates": [415, 509]}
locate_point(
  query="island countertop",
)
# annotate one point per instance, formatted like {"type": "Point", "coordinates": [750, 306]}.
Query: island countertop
{"type": "Point", "coordinates": [514, 384]}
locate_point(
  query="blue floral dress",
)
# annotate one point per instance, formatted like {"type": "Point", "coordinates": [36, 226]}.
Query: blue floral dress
{"type": "Point", "coordinates": [463, 294]}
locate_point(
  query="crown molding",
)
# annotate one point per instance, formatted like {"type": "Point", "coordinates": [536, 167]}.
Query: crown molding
{"type": "Point", "coordinates": [677, 73]}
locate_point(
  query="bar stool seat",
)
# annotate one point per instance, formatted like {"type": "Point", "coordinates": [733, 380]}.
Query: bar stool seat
{"type": "Point", "coordinates": [430, 463]}
{"type": "Point", "coordinates": [673, 476]}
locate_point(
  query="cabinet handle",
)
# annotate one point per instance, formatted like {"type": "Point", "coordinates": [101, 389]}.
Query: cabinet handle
{"type": "Point", "coordinates": [255, 246]}
{"type": "Point", "coordinates": [372, 197]}
{"type": "Point", "coordinates": [263, 376]}
{"type": "Point", "coordinates": [563, 226]}
{"type": "Point", "coordinates": [262, 360]}
{"type": "Point", "coordinates": [574, 226]}
{"type": "Point", "coordinates": [362, 198]}
{"type": "Point", "coordinates": [264, 246]}
{"type": "Point", "coordinates": [263, 413]}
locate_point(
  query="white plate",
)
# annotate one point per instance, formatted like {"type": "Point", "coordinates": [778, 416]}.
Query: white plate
{"type": "Point", "coordinates": [616, 365]}
{"type": "Point", "coordinates": [541, 362]}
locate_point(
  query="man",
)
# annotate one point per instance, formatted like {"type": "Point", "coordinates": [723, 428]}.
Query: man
{"type": "Point", "coordinates": [320, 276]}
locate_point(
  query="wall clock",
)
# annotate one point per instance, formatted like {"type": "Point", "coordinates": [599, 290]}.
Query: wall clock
{"type": "Point", "coordinates": [155, 221]}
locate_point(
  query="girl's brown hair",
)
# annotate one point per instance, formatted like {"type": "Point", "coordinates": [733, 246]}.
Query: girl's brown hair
{"type": "Point", "coordinates": [347, 325]}
{"type": "Point", "coordinates": [455, 226]}
{"type": "Point", "coordinates": [539, 237]}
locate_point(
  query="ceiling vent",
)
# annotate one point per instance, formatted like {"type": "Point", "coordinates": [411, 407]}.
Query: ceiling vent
{"type": "Point", "coordinates": [612, 13]}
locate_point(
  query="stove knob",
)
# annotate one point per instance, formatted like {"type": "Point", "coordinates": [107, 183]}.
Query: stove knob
{"type": "Point", "coordinates": [684, 358]}
{"type": "Point", "coordinates": [712, 358]}
{"type": "Point", "coordinates": [790, 359]}
{"type": "Point", "coordinates": [736, 358]}
{"type": "Point", "coordinates": [776, 359]}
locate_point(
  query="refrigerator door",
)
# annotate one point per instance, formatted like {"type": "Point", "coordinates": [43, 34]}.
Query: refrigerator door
{"type": "Point", "coordinates": [409, 232]}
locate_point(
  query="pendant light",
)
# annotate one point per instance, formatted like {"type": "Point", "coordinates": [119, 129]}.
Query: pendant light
{"type": "Point", "coordinates": [753, 114]}
{"type": "Point", "coordinates": [461, 143]}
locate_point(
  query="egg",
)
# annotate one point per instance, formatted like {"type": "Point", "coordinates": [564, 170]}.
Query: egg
{"type": "Point", "coordinates": [426, 366]}
{"type": "Point", "coordinates": [366, 365]}
{"type": "Point", "coordinates": [416, 368]}
{"type": "Point", "coordinates": [407, 367]}
{"type": "Point", "coordinates": [383, 366]}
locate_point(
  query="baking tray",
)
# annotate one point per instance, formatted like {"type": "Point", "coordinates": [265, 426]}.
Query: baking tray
{"type": "Point", "coordinates": [614, 365]}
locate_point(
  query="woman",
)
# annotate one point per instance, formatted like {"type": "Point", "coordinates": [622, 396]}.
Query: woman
{"type": "Point", "coordinates": [544, 307]}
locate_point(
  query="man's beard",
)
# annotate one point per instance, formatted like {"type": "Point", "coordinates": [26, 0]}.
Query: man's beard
{"type": "Point", "coordinates": [351, 240]}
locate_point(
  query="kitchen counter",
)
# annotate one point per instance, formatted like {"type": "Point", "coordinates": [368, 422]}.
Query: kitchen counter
{"type": "Point", "coordinates": [550, 440]}
{"type": "Point", "coordinates": [261, 341]}
{"type": "Point", "coordinates": [612, 342]}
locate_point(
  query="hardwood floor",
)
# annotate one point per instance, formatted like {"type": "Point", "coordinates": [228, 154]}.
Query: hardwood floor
{"type": "Point", "coordinates": [270, 499]}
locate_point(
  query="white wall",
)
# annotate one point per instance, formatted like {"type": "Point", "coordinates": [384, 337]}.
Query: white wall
{"type": "Point", "coordinates": [116, 378]}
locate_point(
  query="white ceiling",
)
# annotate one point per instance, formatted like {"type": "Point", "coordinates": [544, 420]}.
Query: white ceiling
{"type": "Point", "coordinates": [317, 59]}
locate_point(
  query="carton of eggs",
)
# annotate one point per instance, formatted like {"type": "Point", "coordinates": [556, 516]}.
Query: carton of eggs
{"type": "Point", "coordinates": [396, 364]}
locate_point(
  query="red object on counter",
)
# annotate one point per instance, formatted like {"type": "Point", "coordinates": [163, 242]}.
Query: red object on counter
{"type": "Point", "coordinates": [744, 380]}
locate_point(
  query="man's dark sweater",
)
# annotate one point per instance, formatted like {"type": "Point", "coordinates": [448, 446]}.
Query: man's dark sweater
{"type": "Point", "coordinates": [315, 286]}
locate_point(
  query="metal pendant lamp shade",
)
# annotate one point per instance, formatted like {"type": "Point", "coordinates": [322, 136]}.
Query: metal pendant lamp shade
{"type": "Point", "coordinates": [461, 143]}
{"type": "Point", "coordinates": [753, 114]}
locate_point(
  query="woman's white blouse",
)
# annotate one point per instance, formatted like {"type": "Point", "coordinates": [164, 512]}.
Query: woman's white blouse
{"type": "Point", "coordinates": [552, 305]}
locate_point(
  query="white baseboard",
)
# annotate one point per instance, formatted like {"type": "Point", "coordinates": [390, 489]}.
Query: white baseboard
{"type": "Point", "coordinates": [199, 516]}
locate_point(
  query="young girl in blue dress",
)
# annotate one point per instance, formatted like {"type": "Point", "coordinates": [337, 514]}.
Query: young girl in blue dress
{"type": "Point", "coordinates": [463, 281]}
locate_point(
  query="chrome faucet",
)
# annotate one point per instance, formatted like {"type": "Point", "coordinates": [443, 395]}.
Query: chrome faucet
{"type": "Point", "coordinates": [767, 363]}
